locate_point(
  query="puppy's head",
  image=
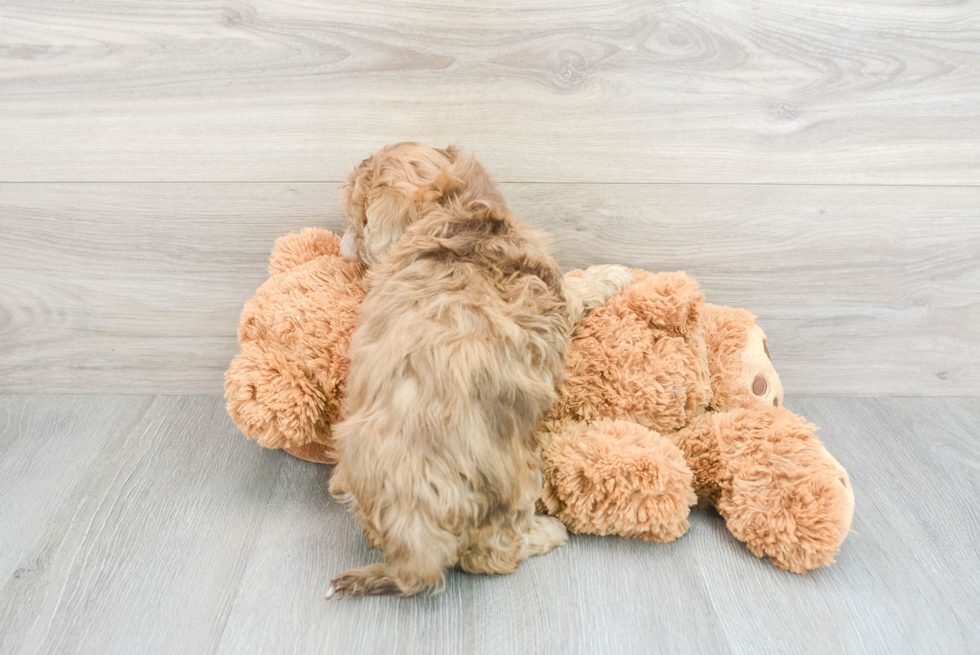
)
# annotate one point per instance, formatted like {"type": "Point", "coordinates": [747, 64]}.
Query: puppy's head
{"type": "Point", "coordinates": [389, 191]}
{"type": "Point", "coordinates": [405, 183]}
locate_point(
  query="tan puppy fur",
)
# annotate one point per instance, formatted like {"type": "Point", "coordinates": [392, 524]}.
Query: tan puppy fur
{"type": "Point", "coordinates": [459, 347]}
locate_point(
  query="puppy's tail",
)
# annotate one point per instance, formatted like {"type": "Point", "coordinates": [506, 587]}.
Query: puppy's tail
{"type": "Point", "coordinates": [417, 552]}
{"type": "Point", "coordinates": [382, 580]}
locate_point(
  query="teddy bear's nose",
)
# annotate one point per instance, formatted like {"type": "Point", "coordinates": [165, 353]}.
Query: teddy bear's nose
{"type": "Point", "coordinates": [759, 385]}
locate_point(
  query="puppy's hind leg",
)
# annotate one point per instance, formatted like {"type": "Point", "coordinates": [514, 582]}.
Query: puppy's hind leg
{"type": "Point", "coordinates": [416, 553]}
{"type": "Point", "coordinates": [382, 579]}
{"type": "Point", "coordinates": [593, 288]}
{"type": "Point", "coordinates": [406, 578]}
{"type": "Point", "coordinates": [546, 533]}
{"type": "Point", "coordinates": [501, 548]}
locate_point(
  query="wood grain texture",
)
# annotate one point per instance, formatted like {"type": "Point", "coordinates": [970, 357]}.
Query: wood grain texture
{"type": "Point", "coordinates": [137, 288]}
{"type": "Point", "coordinates": [613, 91]}
{"type": "Point", "coordinates": [913, 463]}
{"type": "Point", "coordinates": [149, 516]}
{"type": "Point", "coordinates": [159, 529]}
{"type": "Point", "coordinates": [912, 544]}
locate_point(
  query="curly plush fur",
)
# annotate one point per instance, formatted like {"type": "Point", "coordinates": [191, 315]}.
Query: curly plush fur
{"type": "Point", "coordinates": [286, 387]}
{"type": "Point", "coordinates": [696, 384]}
{"type": "Point", "coordinates": [664, 396]}
{"type": "Point", "coordinates": [458, 350]}
{"type": "Point", "coordinates": [641, 361]}
{"type": "Point", "coordinates": [772, 480]}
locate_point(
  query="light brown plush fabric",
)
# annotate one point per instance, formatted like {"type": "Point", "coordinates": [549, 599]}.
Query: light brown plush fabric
{"type": "Point", "coordinates": [653, 374]}
{"type": "Point", "coordinates": [285, 389]}
{"type": "Point", "coordinates": [640, 357]}
{"type": "Point", "coordinates": [617, 477]}
{"type": "Point", "coordinates": [656, 356]}
{"type": "Point", "coordinates": [771, 479]}
{"type": "Point", "coordinates": [738, 359]}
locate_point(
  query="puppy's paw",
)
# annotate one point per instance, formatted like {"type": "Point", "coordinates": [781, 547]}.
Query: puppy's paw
{"type": "Point", "coordinates": [612, 276]}
{"type": "Point", "coordinates": [546, 533]}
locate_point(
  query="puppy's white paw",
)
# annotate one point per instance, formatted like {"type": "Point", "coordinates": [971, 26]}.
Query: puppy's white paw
{"type": "Point", "coordinates": [546, 533]}
{"type": "Point", "coordinates": [348, 246]}
{"type": "Point", "coordinates": [613, 276]}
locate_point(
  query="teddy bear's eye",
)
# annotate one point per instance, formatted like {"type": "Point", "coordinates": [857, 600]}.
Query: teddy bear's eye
{"type": "Point", "coordinates": [759, 385]}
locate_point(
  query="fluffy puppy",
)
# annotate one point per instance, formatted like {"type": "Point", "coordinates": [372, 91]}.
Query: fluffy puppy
{"type": "Point", "coordinates": [459, 347]}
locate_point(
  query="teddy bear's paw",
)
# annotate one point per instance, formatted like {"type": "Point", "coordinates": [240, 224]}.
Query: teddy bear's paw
{"type": "Point", "coordinates": [788, 499]}
{"type": "Point", "coordinates": [803, 532]}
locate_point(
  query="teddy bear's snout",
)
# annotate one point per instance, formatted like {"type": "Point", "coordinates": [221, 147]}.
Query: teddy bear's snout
{"type": "Point", "coordinates": [761, 387]}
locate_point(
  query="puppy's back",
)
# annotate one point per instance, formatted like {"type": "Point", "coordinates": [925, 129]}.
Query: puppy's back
{"type": "Point", "coordinates": [459, 348]}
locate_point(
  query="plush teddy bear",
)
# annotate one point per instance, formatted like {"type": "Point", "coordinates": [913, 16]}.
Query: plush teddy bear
{"type": "Point", "coordinates": [666, 401]}
{"type": "Point", "coordinates": [666, 397]}
{"type": "Point", "coordinates": [286, 386]}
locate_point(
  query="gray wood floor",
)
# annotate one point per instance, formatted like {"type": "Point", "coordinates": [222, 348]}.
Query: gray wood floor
{"type": "Point", "coordinates": [147, 524]}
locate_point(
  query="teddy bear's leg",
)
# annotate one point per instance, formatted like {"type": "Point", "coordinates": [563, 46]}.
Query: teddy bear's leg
{"type": "Point", "coordinates": [617, 477]}
{"type": "Point", "coordinates": [776, 486]}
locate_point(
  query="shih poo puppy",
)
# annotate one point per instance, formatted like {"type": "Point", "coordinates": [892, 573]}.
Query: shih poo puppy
{"type": "Point", "coordinates": [459, 347]}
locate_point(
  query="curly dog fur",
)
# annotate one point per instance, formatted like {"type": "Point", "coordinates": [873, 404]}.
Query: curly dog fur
{"type": "Point", "coordinates": [459, 347]}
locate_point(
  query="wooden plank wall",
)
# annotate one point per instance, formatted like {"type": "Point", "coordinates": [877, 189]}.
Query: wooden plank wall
{"type": "Point", "coordinates": [816, 162]}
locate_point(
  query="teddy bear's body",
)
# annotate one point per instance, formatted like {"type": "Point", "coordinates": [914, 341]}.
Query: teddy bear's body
{"type": "Point", "coordinates": [666, 400]}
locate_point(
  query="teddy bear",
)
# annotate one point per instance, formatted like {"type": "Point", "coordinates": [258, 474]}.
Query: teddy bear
{"type": "Point", "coordinates": [666, 402]}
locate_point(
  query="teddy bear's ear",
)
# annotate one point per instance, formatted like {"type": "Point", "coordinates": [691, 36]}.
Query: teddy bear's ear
{"type": "Point", "coordinates": [666, 301]}
{"type": "Point", "coordinates": [294, 249]}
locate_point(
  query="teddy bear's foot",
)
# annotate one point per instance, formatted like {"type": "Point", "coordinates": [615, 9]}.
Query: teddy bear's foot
{"type": "Point", "coordinates": [776, 486]}
{"type": "Point", "coordinates": [799, 524]}
{"type": "Point", "coordinates": [314, 451]}
{"type": "Point", "coordinates": [617, 477]}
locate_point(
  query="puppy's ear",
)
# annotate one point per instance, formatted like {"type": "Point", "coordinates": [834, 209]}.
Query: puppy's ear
{"type": "Point", "coordinates": [388, 211]}
{"type": "Point", "coordinates": [353, 193]}
{"type": "Point", "coordinates": [443, 187]}
{"type": "Point", "coordinates": [451, 153]}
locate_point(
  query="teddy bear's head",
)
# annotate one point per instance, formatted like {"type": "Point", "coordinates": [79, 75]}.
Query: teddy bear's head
{"type": "Point", "coordinates": [742, 374]}
{"type": "Point", "coordinates": [658, 355]}
{"type": "Point", "coordinates": [640, 357]}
